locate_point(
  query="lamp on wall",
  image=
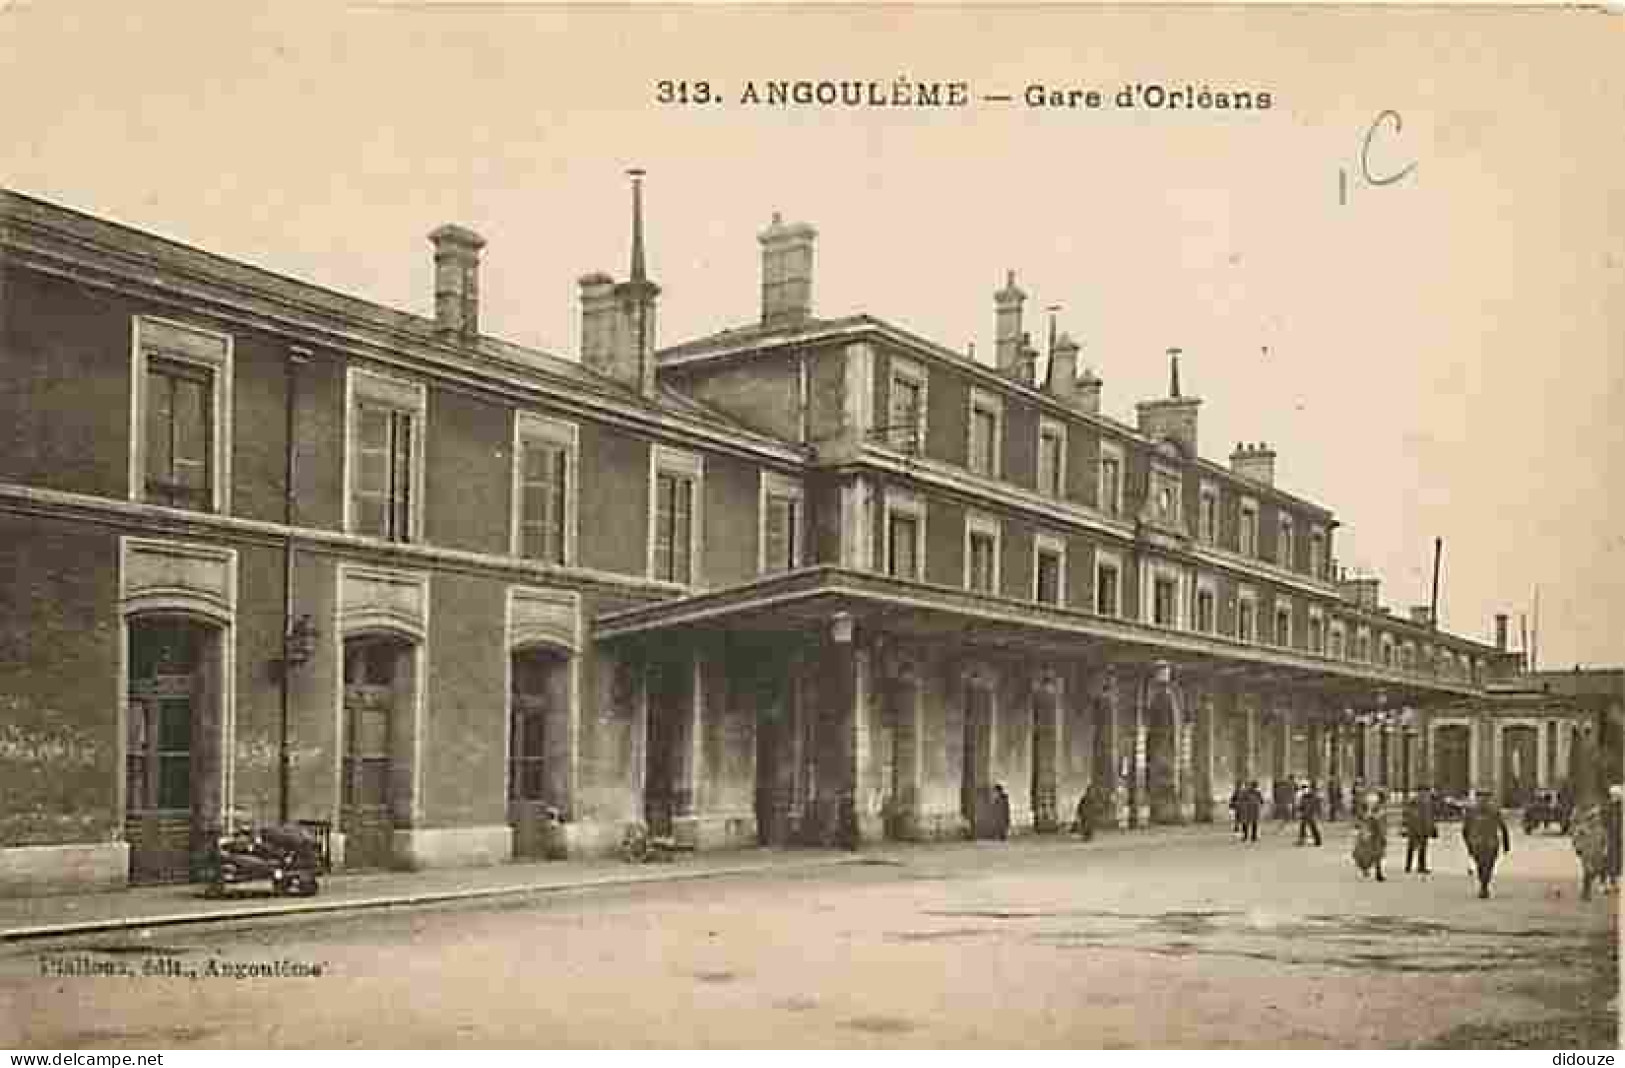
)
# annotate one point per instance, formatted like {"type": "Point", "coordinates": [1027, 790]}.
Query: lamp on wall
{"type": "Point", "coordinates": [299, 644]}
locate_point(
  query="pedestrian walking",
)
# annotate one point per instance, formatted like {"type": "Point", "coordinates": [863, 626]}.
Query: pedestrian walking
{"type": "Point", "coordinates": [1235, 808]}
{"type": "Point", "coordinates": [1249, 806]}
{"type": "Point", "coordinates": [1088, 805]}
{"type": "Point", "coordinates": [1485, 833]}
{"type": "Point", "coordinates": [1001, 812]}
{"type": "Point", "coordinates": [1420, 826]}
{"type": "Point", "coordinates": [1334, 801]}
{"type": "Point", "coordinates": [1308, 814]}
{"type": "Point", "coordinates": [1370, 837]}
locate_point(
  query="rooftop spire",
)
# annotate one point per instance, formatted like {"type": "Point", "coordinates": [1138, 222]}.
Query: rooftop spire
{"type": "Point", "coordinates": [1173, 372]}
{"type": "Point", "coordinates": [639, 272]}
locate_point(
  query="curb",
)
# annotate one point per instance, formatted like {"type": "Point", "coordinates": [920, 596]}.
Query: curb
{"type": "Point", "coordinates": [432, 897]}
{"type": "Point", "coordinates": [298, 908]}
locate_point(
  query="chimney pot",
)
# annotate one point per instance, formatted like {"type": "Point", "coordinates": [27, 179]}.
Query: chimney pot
{"type": "Point", "coordinates": [457, 281]}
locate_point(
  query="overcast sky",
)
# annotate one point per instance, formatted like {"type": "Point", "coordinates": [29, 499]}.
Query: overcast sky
{"type": "Point", "coordinates": [1440, 356]}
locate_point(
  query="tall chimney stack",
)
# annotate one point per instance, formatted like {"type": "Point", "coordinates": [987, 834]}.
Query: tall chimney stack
{"type": "Point", "coordinates": [1174, 416]}
{"type": "Point", "coordinates": [635, 300]}
{"type": "Point", "coordinates": [1062, 381]}
{"type": "Point", "coordinates": [1007, 335]}
{"type": "Point", "coordinates": [457, 282]}
{"type": "Point", "coordinates": [1500, 632]}
{"type": "Point", "coordinates": [787, 271]}
{"type": "Point", "coordinates": [1087, 391]}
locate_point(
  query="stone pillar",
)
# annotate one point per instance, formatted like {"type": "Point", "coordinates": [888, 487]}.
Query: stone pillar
{"type": "Point", "coordinates": [867, 791]}
{"type": "Point", "coordinates": [1497, 758]}
{"type": "Point", "coordinates": [1542, 779]}
{"type": "Point", "coordinates": [1204, 798]}
{"type": "Point", "coordinates": [1141, 815]}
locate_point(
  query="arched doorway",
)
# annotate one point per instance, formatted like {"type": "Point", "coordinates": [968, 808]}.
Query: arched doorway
{"type": "Point", "coordinates": [538, 708]}
{"type": "Point", "coordinates": [1161, 756]}
{"type": "Point", "coordinates": [172, 780]}
{"type": "Point", "coordinates": [380, 693]}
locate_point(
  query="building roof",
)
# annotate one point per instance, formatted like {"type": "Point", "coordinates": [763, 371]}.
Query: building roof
{"type": "Point", "coordinates": [22, 215]}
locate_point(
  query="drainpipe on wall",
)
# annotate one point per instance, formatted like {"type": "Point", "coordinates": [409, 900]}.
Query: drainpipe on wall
{"type": "Point", "coordinates": [297, 357]}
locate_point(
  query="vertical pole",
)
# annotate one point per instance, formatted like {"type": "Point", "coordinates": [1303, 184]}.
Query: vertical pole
{"type": "Point", "coordinates": [296, 358]}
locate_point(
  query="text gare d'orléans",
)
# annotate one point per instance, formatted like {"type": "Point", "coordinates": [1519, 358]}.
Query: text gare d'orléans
{"type": "Point", "coordinates": [904, 93]}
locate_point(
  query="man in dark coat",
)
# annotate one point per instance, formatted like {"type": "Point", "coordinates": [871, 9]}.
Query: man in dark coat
{"type": "Point", "coordinates": [1001, 811]}
{"type": "Point", "coordinates": [1371, 837]}
{"type": "Point", "coordinates": [1485, 833]}
{"type": "Point", "coordinates": [1248, 806]}
{"type": "Point", "coordinates": [1235, 808]}
{"type": "Point", "coordinates": [1419, 827]}
{"type": "Point", "coordinates": [1334, 801]}
{"type": "Point", "coordinates": [1308, 814]}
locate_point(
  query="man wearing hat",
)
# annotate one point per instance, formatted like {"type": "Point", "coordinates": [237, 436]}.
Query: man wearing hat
{"type": "Point", "coordinates": [1419, 827]}
{"type": "Point", "coordinates": [1485, 833]}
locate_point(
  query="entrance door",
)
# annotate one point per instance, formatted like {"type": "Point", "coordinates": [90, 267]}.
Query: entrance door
{"type": "Point", "coordinates": [537, 704]}
{"type": "Point", "coordinates": [373, 676]}
{"type": "Point", "coordinates": [1519, 770]}
{"type": "Point", "coordinates": [1045, 707]}
{"type": "Point", "coordinates": [1451, 760]}
{"type": "Point", "coordinates": [1160, 758]}
{"type": "Point", "coordinates": [170, 713]}
{"type": "Point", "coordinates": [901, 713]}
{"type": "Point", "coordinates": [975, 791]}
{"type": "Point", "coordinates": [669, 702]}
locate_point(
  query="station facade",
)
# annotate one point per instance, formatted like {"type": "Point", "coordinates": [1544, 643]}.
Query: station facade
{"type": "Point", "coordinates": [266, 549]}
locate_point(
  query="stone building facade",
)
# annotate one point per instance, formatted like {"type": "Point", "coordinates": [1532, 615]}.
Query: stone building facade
{"type": "Point", "coordinates": [269, 549]}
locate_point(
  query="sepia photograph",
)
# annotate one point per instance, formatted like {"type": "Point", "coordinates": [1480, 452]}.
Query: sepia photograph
{"type": "Point", "coordinates": [828, 526]}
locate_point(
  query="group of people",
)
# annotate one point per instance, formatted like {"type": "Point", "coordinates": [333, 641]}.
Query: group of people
{"type": "Point", "coordinates": [1301, 801]}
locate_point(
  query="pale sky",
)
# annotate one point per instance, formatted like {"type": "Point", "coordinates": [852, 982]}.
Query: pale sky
{"type": "Point", "coordinates": [1445, 354]}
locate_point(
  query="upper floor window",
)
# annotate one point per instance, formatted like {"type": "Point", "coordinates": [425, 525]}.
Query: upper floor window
{"type": "Point", "coordinates": [1111, 479]}
{"type": "Point", "coordinates": [1247, 616]}
{"type": "Point", "coordinates": [1317, 632]}
{"type": "Point", "coordinates": [1207, 524]}
{"type": "Point", "coordinates": [545, 463]}
{"type": "Point", "coordinates": [905, 537]}
{"type": "Point", "coordinates": [781, 518]}
{"type": "Point", "coordinates": [1108, 585]}
{"type": "Point", "coordinates": [1283, 625]}
{"type": "Point", "coordinates": [905, 422]}
{"type": "Point", "coordinates": [1164, 601]}
{"type": "Point", "coordinates": [1049, 570]}
{"type": "Point", "coordinates": [1317, 553]}
{"type": "Point", "coordinates": [1337, 652]}
{"type": "Point", "coordinates": [1165, 496]}
{"type": "Point", "coordinates": [1247, 541]}
{"type": "Point", "coordinates": [1283, 543]}
{"type": "Point", "coordinates": [1387, 651]}
{"type": "Point", "coordinates": [385, 456]}
{"type": "Point", "coordinates": [1206, 616]}
{"type": "Point", "coordinates": [181, 438]}
{"type": "Point", "coordinates": [986, 415]}
{"type": "Point", "coordinates": [676, 479]}
{"type": "Point", "coordinates": [1052, 458]}
{"type": "Point", "coordinates": [1362, 646]}
{"type": "Point", "coordinates": [982, 554]}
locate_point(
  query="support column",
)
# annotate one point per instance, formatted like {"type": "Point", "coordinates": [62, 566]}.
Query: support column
{"type": "Point", "coordinates": [867, 790]}
{"type": "Point", "coordinates": [1205, 736]}
{"type": "Point", "coordinates": [1542, 779]}
{"type": "Point", "coordinates": [1497, 759]}
{"type": "Point", "coordinates": [1472, 755]}
{"type": "Point", "coordinates": [1141, 815]}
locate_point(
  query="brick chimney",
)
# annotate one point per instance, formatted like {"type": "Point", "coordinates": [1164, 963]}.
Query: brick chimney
{"type": "Point", "coordinates": [457, 282]}
{"type": "Point", "coordinates": [1087, 391]}
{"type": "Point", "coordinates": [1008, 340]}
{"type": "Point", "coordinates": [1256, 462]}
{"type": "Point", "coordinates": [1062, 379]}
{"type": "Point", "coordinates": [1174, 416]}
{"type": "Point", "coordinates": [1026, 368]}
{"type": "Point", "coordinates": [787, 271]}
{"type": "Point", "coordinates": [1500, 632]}
{"type": "Point", "coordinates": [1362, 592]}
{"type": "Point", "coordinates": [599, 345]}
{"type": "Point", "coordinates": [1422, 614]}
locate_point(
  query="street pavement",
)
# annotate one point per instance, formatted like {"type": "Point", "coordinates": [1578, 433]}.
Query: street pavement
{"type": "Point", "coordinates": [1183, 938]}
